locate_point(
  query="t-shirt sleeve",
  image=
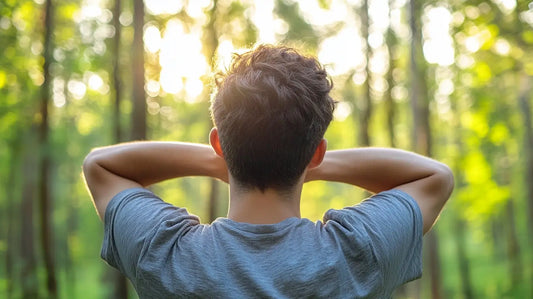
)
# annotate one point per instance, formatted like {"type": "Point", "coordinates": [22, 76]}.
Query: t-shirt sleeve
{"type": "Point", "coordinates": [131, 220]}
{"type": "Point", "coordinates": [391, 221]}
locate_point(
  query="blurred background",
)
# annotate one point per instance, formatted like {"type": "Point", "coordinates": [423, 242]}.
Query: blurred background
{"type": "Point", "coordinates": [448, 79]}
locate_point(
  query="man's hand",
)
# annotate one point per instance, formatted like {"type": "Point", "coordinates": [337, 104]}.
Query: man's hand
{"type": "Point", "coordinates": [429, 182]}
{"type": "Point", "coordinates": [109, 170]}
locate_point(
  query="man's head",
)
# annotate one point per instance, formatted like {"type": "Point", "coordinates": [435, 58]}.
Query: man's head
{"type": "Point", "coordinates": [271, 110]}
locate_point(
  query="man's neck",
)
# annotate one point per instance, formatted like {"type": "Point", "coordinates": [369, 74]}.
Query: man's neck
{"type": "Point", "coordinates": [269, 207]}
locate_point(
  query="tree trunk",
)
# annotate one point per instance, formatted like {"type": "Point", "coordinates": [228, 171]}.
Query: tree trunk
{"type": "Point", "coordinates": [433, 261]}
{"type": "Point", "coordinates": [421, 138]}
{"type": "Point", "coordinates": [117, 84]}
{"type": "Point", "coordinates": [28, 267]}
{"type": "Point", "coordinates": [509, 231]}
{"type": "Point", "coordinates": [210, 47]}
{"type": "Point", "coordinates": [213, 200]}
{"type": "Point", "coordinates": [365, 107]}
{"type": "Point", "coordinates": [390, 39]}
{"type": "Point", "coordinates": [462, 257]}
{"type": "Point", "coordinates": [120, 284]}
{"type": "Point", "coordinates": [118, 280]}
{"type": "Point", "coordinates": [139, 97]}
{"type": "Point", "coordinates": [9, 215]}
{"type": "Point", "coordinates": [460, 224]}
{"type": "Point", "coordinates": [419, 95]}
{"type": "Point", "coordinates": [524, 96]}
{"type": "Point", "coordinates": [45, 200]}
{"type": "Point", "coordinates": [73, 210]}
{"type": "Point", "coordinates": [513, 245]}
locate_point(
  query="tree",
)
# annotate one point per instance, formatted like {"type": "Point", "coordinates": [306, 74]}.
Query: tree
{"type": "Point", "coordinates": [210, 46]}
{"type": "Point", "coordinates": [138, 131]}
{"type": "Point", "coordinates": [45, 200]}
{"type": "Point", "coordinates": [528, 149]}
{"type": "Point", "coordinates": [421, 139]}
{"type": "Point", "coordinates": [117, 84]}
{"type": "Point", "coordinates": [120, 284]}
{"type": "Point", "coordinates": [11, 233]}
{"type": "Point", "coordinates": [365, 105]}
{"type": "Point", "coordinates": [29, 282]}
{"type": "Point", "coordinates": [390, 40]}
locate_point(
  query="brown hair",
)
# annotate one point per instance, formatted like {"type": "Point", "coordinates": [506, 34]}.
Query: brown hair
{"type": "Point", "coordinates": [271, 108]}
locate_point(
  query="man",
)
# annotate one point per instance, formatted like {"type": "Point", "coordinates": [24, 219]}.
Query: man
{"type": "Point", "coordinates": [270, 112]}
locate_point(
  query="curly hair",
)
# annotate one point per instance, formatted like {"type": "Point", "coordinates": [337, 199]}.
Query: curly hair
{"type": "Point", "coordinates": [271, 108]}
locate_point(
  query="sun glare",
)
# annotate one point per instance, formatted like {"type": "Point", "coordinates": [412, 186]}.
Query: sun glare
{"type": "Point", "coordinates": [152, 39]}
{"type": "Point", "coordinates": [183, 64]}
{"type": "Point", "coordinates": [264, 20]}
{"type": "Point", "coordinates": [181, 59]}
{"type": "Point", "coordinates": [158, 7]}
{"type": "Point", "coordinates": [342, 52]}
{"type": "Point", "coordinates": [438, 45]}
{"type": "Point", "coordinates": [224, 53]}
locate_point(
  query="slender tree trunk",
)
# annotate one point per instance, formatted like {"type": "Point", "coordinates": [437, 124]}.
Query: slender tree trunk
{"type": "Point", "coordinates": [433, 261]}
{"type": "Point", "coordinates": [462, 256]}
{"type": "Point", "coordinates": [12, 205]}
{"type": "Point", "coordinates": [210, 47]}
{"type": "Point", "coordinates": [509, 231]}
{"type": "Point", "coordinates": [72, 231]}
{"type": "Point", "coordinates": [120, 284]}
{"type": "Point", "coordinates": [390, 39]}
{"type": "Point", "coordinates": [524, 98]}
{"type": "Point", "coordinates": [213, 200]}
{"type": "Point", "coordinates": [117, 84]}
{"type": "Point", "coordinates": [419, 103]}
{"type": "Point", "coordinates": [513, 246]}
{"type": "Point", "coordinates": [421, 138]}
{"type": "Point", "coordinates": [460, 224]}
{"type": "Point", "coordinates": [139, 97]}
{"type": "Point", "coordinates": [498, 240]}
{"type": "Point", "coordinates": [28, 267]}
{"type": "Point", "coordinates": [72, 219]}
{"type": "Point", "coordinates": [365, 107]}
{"type": "Point", "coordinates": [45, 200]}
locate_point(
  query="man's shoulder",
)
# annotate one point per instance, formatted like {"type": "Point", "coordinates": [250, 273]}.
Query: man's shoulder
{"type": "Point", "coordinates": [377, 203]}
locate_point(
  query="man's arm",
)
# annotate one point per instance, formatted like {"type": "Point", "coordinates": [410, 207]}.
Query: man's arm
{"type": "Point", "coordinates": [429, 182]}
{"type": "Point", "coordinates": [109, 170]}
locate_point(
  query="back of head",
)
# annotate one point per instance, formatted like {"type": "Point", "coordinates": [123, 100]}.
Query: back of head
{"type": "Point", "coordinates": [271, 109]}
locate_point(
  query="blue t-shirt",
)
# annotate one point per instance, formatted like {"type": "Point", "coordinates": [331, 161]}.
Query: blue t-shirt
{"type": "Point", "coordinates": [363, 251]}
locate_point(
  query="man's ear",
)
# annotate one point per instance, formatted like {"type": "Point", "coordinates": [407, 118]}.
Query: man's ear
{"type": "Point", "coordinates": [215, 142]}
{"type": "Point", "coordinates": [318, 156]}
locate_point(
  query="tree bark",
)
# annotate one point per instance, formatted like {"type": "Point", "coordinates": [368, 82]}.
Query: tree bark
{"type": "Point", "coordinates": [365, 107]}
{"type": "Point", "coordinates": [462, 256]}
{"type": "Point", "coordinates": [11, 185]}
{"type": "Point", "coordinates": [460, 224]}
{"type": "Point", "coordinates": [513, 245]}
{"type": "Point", "coordinates": [390, 39]}
{"type": "Point", "coordinates": [119, 282]}
{"type": "Point", "coordinates": [72, 220]}
{"type": "Point", "coordinates": [45, 200]}
{"type": "Point", "coordinates": [210, 47]}
{"type": "Point", "coordinates": [421, 138]}
{"type": "Point", "coordinates": [117, 83]}
{"type": "Point", "coordinates": [524, 98]}
{"type": "Point", "coordinates": [419, 96]}
{"type": "Point", "coordinates": [28, 267]}
{"type": "Point", "coordinates": [139, 96]}
{"type": "Point", "coordinates": [213, 200]}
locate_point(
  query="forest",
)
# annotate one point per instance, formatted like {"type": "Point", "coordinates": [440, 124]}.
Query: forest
{"type": "Point", "coordinates": [451, 80]}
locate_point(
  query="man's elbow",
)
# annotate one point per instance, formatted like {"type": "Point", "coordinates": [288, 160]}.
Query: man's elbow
{"type": "Point", "coordinates": [90, 165]}
{"type": "Point", "coordinates": [446, 180]}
